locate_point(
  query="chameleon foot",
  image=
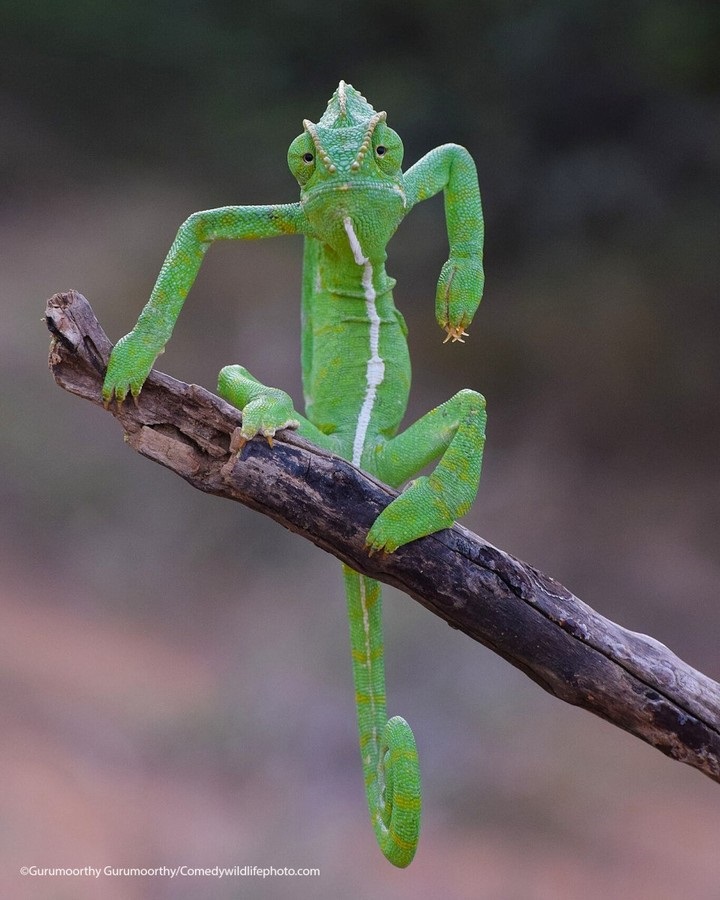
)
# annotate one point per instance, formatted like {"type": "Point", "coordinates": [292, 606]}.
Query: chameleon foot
{"type": "Point", "coordinates": [420, 510]}
{"type": "Point", "coordinates": [265, 410]}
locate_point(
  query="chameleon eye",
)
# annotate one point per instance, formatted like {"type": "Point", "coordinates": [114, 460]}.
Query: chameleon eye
{"type": "Point", "coordinates": [381, 150]}
{"type": "Point", "coordinates": [308, 157]}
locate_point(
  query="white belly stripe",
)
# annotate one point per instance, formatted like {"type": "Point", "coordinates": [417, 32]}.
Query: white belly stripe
{"type": "Point", "coordinates": [375, 371]}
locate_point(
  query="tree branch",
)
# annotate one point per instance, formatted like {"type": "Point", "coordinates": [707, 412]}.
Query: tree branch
{"type": "Point", "coordinates": [526, 617]}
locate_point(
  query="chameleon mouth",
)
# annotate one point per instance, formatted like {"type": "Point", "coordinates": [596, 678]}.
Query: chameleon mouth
{"type": "Point", "coordinates": [344, 187]}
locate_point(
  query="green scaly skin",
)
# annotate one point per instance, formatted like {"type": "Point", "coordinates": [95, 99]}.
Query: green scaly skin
{"type": "Point", "coordinates": [356, 374]}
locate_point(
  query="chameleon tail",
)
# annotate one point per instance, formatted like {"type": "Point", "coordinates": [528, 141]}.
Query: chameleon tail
{"type": "Point", "coordinates": [389, 755]}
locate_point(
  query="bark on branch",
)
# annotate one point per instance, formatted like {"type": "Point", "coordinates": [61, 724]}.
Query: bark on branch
{"type": "Point", "coordinates": [523, 615]}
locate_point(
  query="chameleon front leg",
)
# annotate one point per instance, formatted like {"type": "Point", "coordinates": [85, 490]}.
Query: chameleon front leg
{"type": "Point", "coordinates": [134, 355]}
{"type": "Point", "coordinates": [451, 169]}
{"type": "Point", "coordinates": [265, 409]}
{"type": "Point", "coordinates": [455, 432]}
{"type": "Point", "coordinates": [389, 754]}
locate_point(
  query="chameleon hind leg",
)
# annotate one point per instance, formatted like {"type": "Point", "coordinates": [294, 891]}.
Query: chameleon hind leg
{"type": "Point", "coordinates": [454, 432]}
{"type": "Point", "coordinates": [265, 409]}
{"type": "Point", "coordinates": [389, 755]}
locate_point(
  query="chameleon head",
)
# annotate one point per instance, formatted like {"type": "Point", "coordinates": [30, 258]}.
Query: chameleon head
{"type": "Point", "coordinates": [348, 163]}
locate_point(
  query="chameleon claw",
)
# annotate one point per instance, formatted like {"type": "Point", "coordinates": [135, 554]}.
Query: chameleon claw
{"type": "Point", "coordinates": [237, 442]}
{"type": "Point", "coordinates": [269, 439]}
{"type": "Point", "coordinates": [113, 398]}
{"type": "Point", "coordinates": [382, 550]}
{"type": "Point", "coordinates": [374, 547]}
{"type": "Point", "coordinates": [455, 333]}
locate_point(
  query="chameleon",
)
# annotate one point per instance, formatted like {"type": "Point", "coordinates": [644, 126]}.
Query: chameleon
{"type": "Point", "coordinates": [355, 375]}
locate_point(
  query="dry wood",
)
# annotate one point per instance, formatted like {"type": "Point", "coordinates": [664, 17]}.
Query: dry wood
{"type": "Point", "coordinates": [526, 617]}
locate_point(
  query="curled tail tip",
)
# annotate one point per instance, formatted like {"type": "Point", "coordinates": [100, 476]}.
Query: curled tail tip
{"type": "Point", "coordinates": [403, 805]}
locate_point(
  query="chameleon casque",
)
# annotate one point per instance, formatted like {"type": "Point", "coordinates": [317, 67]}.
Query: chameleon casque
{"type": "Point", "coordinates": [356, 374]}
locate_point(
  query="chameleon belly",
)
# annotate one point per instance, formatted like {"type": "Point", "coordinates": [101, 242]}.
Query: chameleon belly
{"type": "Point", "coordinates": [357, 378]}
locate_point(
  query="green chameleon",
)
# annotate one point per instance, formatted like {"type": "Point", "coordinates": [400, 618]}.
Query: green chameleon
{"type": "Point", "coordinates": [356, 375]}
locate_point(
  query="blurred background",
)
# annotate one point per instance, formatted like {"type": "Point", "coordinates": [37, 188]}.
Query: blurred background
{"type": "Point", "coordinates": [176, 684]}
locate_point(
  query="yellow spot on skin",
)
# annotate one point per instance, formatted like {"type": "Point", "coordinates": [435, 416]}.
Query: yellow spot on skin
{"type": "Point", "coordinates": [404, 754]}
{"type": "Point", "coordinates": [360, 656]}
{"type": "Point", "coordinates": [403, 802]}
{"type": "Point", "coordinates": [369, 698]}
{"type": "Point", "coordinates": [401, 842]}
